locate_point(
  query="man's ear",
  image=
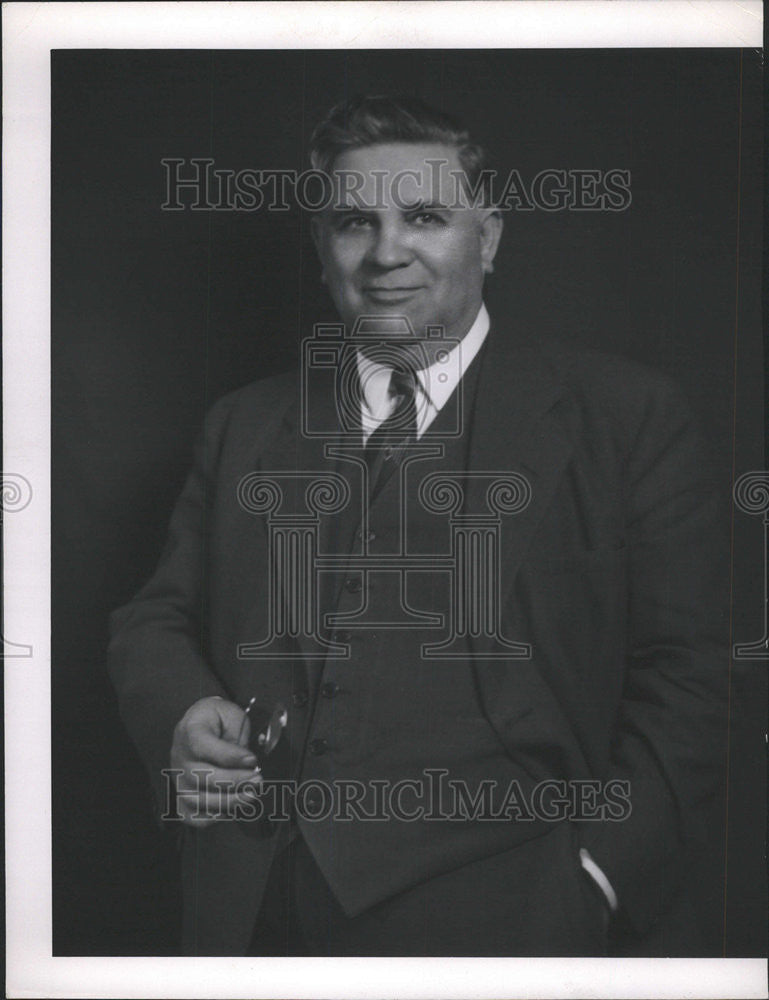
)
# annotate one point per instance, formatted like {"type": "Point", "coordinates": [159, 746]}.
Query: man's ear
{"type": "Point", "coordinates": [490, 235]}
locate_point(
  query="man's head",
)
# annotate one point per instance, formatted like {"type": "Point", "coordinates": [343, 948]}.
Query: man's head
{"type": "Point", "coordinates": [402, 238]}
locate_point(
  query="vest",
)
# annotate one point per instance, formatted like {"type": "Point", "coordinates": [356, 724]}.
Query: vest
{"type": "Point", "coordinates": [398, 754]}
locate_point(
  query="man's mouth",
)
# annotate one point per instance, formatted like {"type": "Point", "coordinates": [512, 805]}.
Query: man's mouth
{"type": "Point", "coordinates": [386, 294]}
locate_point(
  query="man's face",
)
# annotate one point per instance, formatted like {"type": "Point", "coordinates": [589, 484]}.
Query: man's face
{"type": "Point", "coordinates": [411, 250]}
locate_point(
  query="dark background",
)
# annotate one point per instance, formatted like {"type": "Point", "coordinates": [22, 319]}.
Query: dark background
{"type": "Point", "coordinates": [156, 314]}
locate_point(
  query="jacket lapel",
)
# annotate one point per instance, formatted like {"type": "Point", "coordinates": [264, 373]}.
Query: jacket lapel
{"type": "Point", "coordinates": [515, 430]}
{"type": "Point", "coordinates": [519, 426]}
{"type": "Point", "coordinates": [307, 451]}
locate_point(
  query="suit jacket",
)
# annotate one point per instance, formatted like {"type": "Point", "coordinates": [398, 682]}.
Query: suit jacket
{"type": "Point", "coordinates": [610, 574]}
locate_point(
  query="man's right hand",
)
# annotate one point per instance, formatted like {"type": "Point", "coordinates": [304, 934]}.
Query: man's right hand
{"type": "Point", "coordinates": [205, 749]}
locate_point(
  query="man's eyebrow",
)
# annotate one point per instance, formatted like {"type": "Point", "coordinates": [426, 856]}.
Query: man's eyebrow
{"type": "Point", "coordinates": [338, 209]}
{"type": "Point", "coordinates": [424, 206]}
{"type": "Point", "coordinates": [408, 207]}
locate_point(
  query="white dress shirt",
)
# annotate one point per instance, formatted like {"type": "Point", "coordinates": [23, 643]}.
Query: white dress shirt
{"type": "Point", "coordinates": [435, 384]}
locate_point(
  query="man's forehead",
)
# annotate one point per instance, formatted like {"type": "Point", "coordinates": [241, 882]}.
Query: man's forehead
{"type": "Point", "coordinates": [396, 156]}
{"type": "Point", "coordinates": [418, 172]}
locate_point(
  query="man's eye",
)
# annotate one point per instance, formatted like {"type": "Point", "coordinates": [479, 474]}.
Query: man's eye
{"type": "Point", "coordinates": [354, 222]}
{"type": "Point", "coordinates": [426, 218]}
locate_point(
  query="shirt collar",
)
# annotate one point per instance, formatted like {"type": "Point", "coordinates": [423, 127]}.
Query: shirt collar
{"type": "Point", "coordinates": [444, 374]}
{"type": "Point", "coordinates": [438, 381]}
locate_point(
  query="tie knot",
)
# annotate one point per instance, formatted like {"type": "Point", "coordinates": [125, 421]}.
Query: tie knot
{"type": "Point", "coordinates": [403, 384]}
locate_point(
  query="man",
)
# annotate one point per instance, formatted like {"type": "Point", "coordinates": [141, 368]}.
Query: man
{"type": "Point", "coordinates": [562, 720]}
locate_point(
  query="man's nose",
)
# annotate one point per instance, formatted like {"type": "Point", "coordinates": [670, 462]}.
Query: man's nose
{"type": "Point", "coordinates": [390, 247]}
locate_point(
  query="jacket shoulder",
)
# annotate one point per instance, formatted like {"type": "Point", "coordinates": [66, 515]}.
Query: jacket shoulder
{"type": "Point", "coordinates": [261, 394]}
{"type": "Point", "coordinates": [254, 403]}
{"type": "Point", "coordinates": [631, 391]}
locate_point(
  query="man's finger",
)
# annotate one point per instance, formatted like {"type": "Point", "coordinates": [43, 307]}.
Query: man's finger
{"type": "Point", "coordinates": [235, 724]}
{"type": "Point", "coordinates": [210, 748]}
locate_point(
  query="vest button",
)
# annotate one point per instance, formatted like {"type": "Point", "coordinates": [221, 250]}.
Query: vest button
{"type": "Point", "coordinates": [353, 585]}
{"type": "Point", "coordinates": [299, 698]}
{"type": "Point", "coordinates": [318, 747]}
{"type": "Point", "coordinates": [330, 689]}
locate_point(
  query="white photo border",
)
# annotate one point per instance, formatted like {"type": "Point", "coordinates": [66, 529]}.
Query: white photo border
{"type": "Point", "coordinates": [31, 31]}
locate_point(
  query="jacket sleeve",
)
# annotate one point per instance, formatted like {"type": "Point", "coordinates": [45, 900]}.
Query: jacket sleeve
{"type": "Point", "coordinates": [668, 739]}
{"type": "Point", "coordinates": [155, 655]}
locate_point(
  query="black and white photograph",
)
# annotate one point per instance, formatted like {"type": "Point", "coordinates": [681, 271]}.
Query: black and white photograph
{"type": "Point", "coordinates": [408, 507]}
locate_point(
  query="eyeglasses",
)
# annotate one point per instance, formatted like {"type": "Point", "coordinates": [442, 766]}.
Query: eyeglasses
{"type": "Point", "coordinates": [268, 737]}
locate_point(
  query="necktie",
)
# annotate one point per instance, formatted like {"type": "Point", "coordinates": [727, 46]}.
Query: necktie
{"type": "Point", "coordinates": [387, 441]}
